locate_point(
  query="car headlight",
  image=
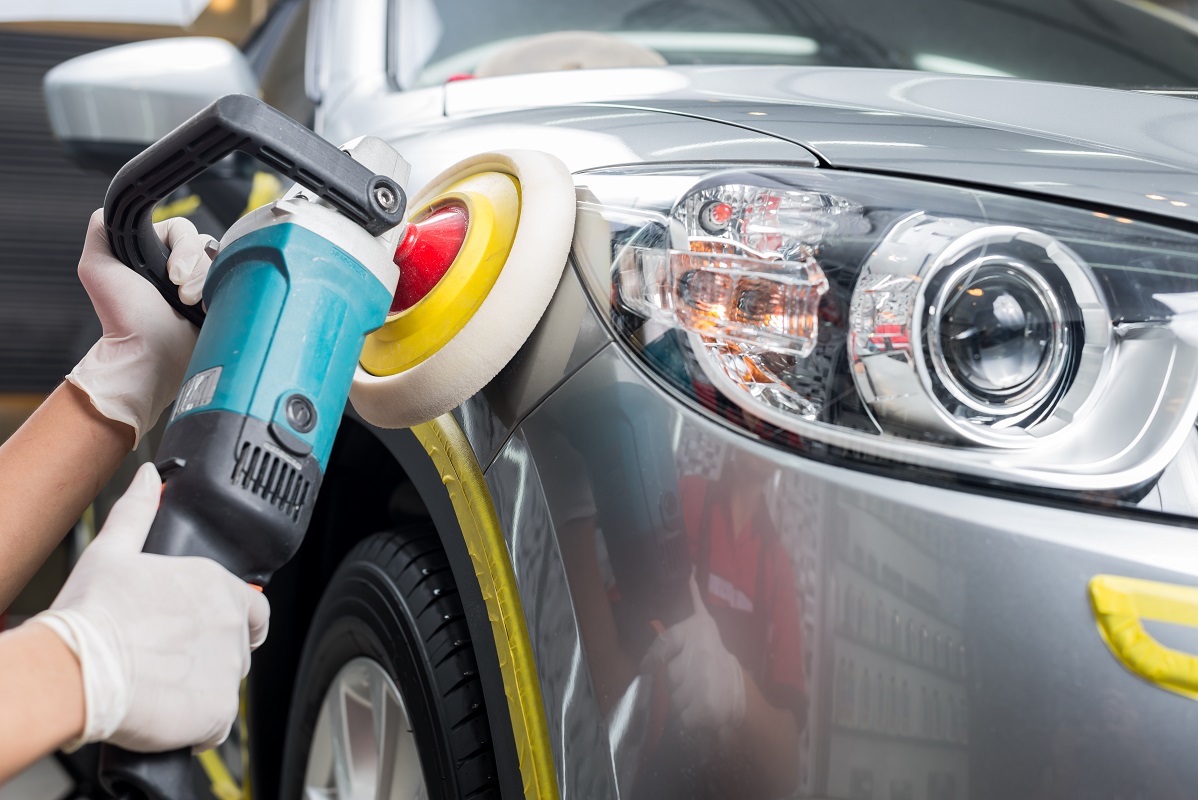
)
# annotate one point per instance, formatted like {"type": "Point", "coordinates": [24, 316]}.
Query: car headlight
{"type": "Point", "coordinates": [900, 322]}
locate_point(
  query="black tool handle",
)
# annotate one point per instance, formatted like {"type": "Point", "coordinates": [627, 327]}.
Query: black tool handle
{"type": "Point", "coordinates": [147, 776]}
{"type": "Point", "coordinates": [126, 775]}
{"type": "Point", "coordinates": [236, 122]}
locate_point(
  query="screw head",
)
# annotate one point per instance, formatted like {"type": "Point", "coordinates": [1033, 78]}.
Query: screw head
{"type": "Point", "coordinates": [385, 197]}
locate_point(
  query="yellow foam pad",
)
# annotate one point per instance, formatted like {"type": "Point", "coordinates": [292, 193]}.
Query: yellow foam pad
{"type": "Point", "coordinates": [492, 203]}
{"type": "Point", "coordinates": [421, 365]}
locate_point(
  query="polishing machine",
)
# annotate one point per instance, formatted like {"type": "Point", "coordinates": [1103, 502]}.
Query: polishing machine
{"type": "Point", "coordinates": [294, 290]}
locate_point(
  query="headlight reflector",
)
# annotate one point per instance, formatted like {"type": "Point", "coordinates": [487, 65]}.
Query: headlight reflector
{"type": "Point", "coordinates": [885, 318]}
{"type": "Point", "coordinates": [975, 331]}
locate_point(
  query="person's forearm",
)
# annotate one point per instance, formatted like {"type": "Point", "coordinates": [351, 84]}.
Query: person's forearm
{"type": "Point", "coordinates": [41, 697]}
{"type": "Point", "coordinates": [53, 466]}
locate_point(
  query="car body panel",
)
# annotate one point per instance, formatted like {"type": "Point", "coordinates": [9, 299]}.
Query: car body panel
{"type": "Point", "coordinates": [1007, 687]}
{"type": "Point", "coordinates": [567, 336]}
{"type": "Point", "coordinates": [585, 137]}
{"type": "Point", "coordinates": [1112, 149]}
{"type": "Point", "coordinates": [577, 735]}
{"type": "Point", "coordinates": [1030, 703]}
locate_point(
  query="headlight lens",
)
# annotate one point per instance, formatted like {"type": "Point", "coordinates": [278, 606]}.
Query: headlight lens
{"type": "Point", "coordinates": [855, 316]}
{"type": "Point", "coordinates": [999, 336]}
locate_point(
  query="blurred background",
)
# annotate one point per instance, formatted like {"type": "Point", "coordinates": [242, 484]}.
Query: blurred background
{"type": "Point", "coordinates": [46, 320]}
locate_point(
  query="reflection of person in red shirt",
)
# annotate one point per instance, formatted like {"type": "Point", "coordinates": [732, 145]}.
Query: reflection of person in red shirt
{"type": "Point", "coordinates": [721, 671]}
{"type": "Point", "coordinates": [735, 667]}
{"type": "Point", "coordinates": [750, 589]}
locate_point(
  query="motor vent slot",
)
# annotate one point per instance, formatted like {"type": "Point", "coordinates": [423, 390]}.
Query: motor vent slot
{"type": "Point", "coordinates": [266, 474]}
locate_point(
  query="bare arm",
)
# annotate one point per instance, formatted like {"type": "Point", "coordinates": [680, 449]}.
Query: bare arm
{"type": "Point", "coordinates": [52, 469]}
{"type": "Point", "coordinates": [41, 692]}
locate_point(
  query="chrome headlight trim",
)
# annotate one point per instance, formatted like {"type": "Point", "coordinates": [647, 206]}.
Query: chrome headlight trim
{"type": "Point", "coordinates": [919, 386]}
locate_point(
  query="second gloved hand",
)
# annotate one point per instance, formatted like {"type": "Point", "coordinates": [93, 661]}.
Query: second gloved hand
{"type": "Point", "coordinates": [133, 372]}
{"type": "Point", "coordinates": [707, 687]}
{"type": "Point", "coordinates": [163, 642]}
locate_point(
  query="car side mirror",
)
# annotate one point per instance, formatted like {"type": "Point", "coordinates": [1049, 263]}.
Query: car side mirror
{"type": "Point", "coordinates": [107, 106]}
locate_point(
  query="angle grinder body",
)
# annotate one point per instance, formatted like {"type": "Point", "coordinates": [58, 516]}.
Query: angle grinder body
{"type": "Point", "coordinates": [288, 312]}
{"type": "Point", "coordinates": [293, 291]}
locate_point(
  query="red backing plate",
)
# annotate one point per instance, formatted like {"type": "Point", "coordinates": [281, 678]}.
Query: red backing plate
{"type": "Point", "coordinates": [426, 253]}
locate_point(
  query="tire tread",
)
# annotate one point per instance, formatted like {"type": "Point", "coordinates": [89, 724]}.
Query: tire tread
{"type": "Point", "coordinates": [414, 562]}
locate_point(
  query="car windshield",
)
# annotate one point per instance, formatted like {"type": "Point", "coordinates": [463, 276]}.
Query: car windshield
{"type": "Point", "coordinates": [1114, 43]}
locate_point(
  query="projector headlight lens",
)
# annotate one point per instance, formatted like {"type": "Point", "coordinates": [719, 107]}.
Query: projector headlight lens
{"type": "Point", "coordinates": [998, 338]}
{"type": "Point", "coordinates": [860, 317]}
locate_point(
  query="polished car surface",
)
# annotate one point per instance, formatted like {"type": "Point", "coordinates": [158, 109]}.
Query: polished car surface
{"type": "Point", "coordinates": [916, 616]}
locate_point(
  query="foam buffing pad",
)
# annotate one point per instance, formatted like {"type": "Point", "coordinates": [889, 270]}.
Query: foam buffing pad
{"type": "Point", "coordinates": [509, 216]}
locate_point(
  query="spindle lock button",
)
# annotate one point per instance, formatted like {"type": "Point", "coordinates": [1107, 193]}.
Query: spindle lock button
{"type": "Point", "coordinates": [301, 414]}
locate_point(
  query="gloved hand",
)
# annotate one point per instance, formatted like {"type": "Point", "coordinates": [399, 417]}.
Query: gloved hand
{"type": "Point", "coordinates": [163, 642]}
{"type": "Point", "coordinates": [133, 372]}
{"type": "Point", "coordinates": [707, 687]}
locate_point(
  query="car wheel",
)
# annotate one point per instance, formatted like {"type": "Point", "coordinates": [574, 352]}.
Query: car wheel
{"type": "Point", "coordinates": [387, 701]}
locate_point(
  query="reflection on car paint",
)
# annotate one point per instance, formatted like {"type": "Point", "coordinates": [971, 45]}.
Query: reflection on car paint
{"type": "Point", "coordinates": [532, 528]}
{"type": "Point", "coordinates": [943, 652]}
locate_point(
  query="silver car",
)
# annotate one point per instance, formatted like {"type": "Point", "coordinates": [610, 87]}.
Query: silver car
{"type": "Point", "coordinates": [855, 456]}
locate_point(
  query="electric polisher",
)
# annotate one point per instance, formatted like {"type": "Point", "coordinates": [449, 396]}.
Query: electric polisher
{"type": "Point", "coordinates": [297, 288]}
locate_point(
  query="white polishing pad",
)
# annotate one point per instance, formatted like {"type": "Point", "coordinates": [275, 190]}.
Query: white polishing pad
{"type": "Point", "coordinates": [511, 310]}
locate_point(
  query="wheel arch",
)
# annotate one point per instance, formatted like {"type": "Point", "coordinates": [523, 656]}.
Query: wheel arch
{"type": "Point", "coordinates": [369, 466]}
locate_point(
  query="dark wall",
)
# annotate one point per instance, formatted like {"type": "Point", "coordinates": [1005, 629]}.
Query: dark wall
{"type": "Point", "coordinates": [46, 321]}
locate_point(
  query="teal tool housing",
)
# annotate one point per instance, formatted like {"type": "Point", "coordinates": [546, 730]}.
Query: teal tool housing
{"type": "Point", "coordinates": [244, 453]}
{"type": "Point", "coordinates": [288, 314]}
{"type": "Point", "coordinates": [255, 420]}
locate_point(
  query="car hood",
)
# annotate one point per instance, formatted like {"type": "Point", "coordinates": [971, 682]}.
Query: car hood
{"type": "Point", "coordinates": [1109, 148]}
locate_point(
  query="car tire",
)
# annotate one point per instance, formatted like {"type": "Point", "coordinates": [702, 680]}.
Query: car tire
{"type": "Point", "coordinates": [390, 622]}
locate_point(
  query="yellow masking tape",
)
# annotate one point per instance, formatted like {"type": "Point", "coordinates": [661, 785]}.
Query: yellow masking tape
{"type": "Point", "coordinates": [492, 202]}
{"type": "Point", "coordinates": [446, 444]}
{"type": "Point", "coordinates": [1120, 604]}
{"type": "Point", "coordinates": [222, 783]}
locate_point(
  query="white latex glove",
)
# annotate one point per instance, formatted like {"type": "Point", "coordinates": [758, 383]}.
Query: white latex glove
{"type": "Point", "coordinates": [133, 372]}
{"type": "Point", "coordinates": [707, 687]}
{"type": "Point", "coordinates": [163, 642]}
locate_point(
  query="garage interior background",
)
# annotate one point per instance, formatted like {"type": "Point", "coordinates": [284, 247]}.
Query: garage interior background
{"type": "Point", "coordinates": [46, 320]}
